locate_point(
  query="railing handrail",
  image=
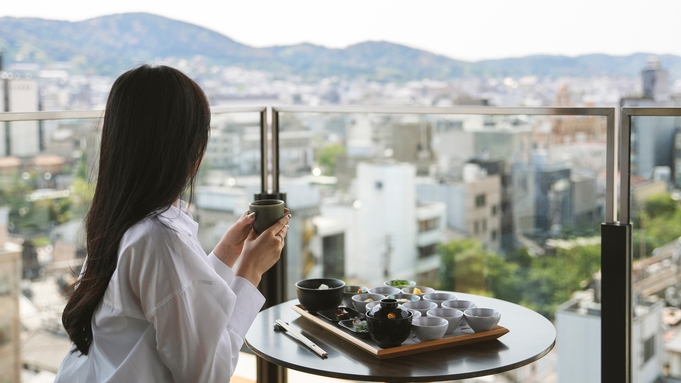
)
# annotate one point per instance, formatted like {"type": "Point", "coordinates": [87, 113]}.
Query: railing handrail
{"type": "Point", "coordinates": [484, 110]}
{"type": "Point", "coordinates": [94, 114]}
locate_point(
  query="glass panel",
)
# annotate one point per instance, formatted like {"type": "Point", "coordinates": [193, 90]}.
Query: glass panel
{"type": "Point", "coordinates": [502, 206]}
{"type": "Point", "coordinates": [46, 169]}
{"type": "Point", "coordinates": [655, 216]}
{"type": "Point", "coordinates": [229, 175]}
{"type": "Point", "coordinates": [46, 185]}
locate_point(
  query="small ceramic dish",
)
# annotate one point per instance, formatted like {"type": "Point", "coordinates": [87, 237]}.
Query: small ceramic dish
{"type": "Point", "coordinates": [429, 328]}
{"type": "Point", "coordinates": [399, 283]}
{"type": "Point", "coordinates": [422, 290]}
{"type": "Point", "coordinates": [384, 290]}
{"type": "Point", "coordinates": [422, 306]}
{"type": "Point", "coordinates": [452, 316]}
{"type": "Point", "coordinates": [347, 324]}
{"type": "Point", "coordinates": [371, 305]}
{"type": "Point", "coordinates": [439, 297]}
{"type": "Point", "coordinates": [349, 291]}
{"type": "Point", "coordinates": [459, 304]}
{"type": "Point", "coordinates": [482, 319]}
{"type": "Point", "coordinates": [403, 298]}
{"type": "Point", "coordinates": [360, 300]}
{"type": "Point", "coordinates": [341, 313]}
{"type": "Point", "coordinates": [415, 313]}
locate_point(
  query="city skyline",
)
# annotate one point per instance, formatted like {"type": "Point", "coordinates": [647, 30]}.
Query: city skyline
{"type": "Point", "coordinates": [466, 31]}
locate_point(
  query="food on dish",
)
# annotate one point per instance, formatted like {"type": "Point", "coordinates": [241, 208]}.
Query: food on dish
{"type": "Point", "coordinates": [323, 287]}
{"type": "Point", "coordinates": [360, 325]}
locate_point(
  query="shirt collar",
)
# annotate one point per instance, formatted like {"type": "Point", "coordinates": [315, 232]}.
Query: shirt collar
{"type": "Point", "coordinates": [180, 215]}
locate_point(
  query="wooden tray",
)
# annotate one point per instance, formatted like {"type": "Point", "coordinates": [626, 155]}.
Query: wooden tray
{"type": "Point", "coordinates": [409, 347]}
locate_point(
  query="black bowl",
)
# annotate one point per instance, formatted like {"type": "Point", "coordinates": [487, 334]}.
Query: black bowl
{"type": "Point", "coordinates": [389, 326]}
{"type": "Point", "coordinates": [314, 299]}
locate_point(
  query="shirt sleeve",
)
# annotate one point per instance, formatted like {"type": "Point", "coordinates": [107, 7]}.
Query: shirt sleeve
{"type": "Point", "coordinates": [200, 331]}
{"type": "Point", "coordinates": [225, 272]}
{"type": "Point", "coordinates": [200, 313]}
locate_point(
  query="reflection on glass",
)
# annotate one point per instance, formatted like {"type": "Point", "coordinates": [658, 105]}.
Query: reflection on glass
{"type": "Point", "coordinates": [503, 206]}
{"type": "Point", "coordinates": [655, 215]}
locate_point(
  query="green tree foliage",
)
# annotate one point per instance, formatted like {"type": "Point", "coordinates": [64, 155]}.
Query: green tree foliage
{"type": "Point", "coordinates": [326, 158]}
{"type": "Point", "coordinates": [540, 283]}
{"type": "Point", "coordinates": [661, 206]}
{"type": "Point", "coordinates": [657, 222]}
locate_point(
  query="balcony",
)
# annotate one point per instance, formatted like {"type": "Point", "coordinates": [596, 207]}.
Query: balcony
{"type": "Point", "coordinates": [496, 209]}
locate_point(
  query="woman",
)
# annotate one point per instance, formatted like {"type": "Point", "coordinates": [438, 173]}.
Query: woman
{"type": "Point", "coordinates": [149, 305]}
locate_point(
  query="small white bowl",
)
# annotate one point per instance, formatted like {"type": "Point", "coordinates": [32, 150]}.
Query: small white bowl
{"type": "Point", "coordinates": [424, 290]}
{"type": "Point", "coordinates": [371, 305]}
{"type": "Point", "coordinates": [403, 298]}
{"type": "Point", "coordinates": [482, 319]}
{"type": "Point", "coordinates": [429, 328]}
{"type": "Point", "coordinates": [439, 297]}
{"type": "Point", "coordinates": [459, 304]}
{"type": "Point", "coordinates": [422, 306]}
{"type": "Point", "coordinates": [452, 316]}
{"type": "Point", "coordinates": [384, 290]}
{"type": "Point", "coordinates": [415, 314]}
{"type": "Point", "coordinates": [359, 300]}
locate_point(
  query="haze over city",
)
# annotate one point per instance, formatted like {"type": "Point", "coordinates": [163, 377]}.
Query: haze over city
{"type": "Point", "coordinates": [509, 206]}
{"type": "Point", "coordinates": [461, 30]}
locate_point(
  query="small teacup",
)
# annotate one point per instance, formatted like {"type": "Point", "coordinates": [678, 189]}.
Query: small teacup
{"type": "Point", "coordinates": [429, 328]}
{"type": "Point", "coordinates": [482, 319]}
{"type": "Point", "coordinates": [267, 213]}
{"type": "Point", "coordinates": [439, 297]}
{"type": "Point", "coordinates": [384, 290]}
{"type": "Point", "coordinates": [453, 316]}
{"type": "Point", "coordinates": [360, 300]}
{"type": "Point", "coordinates": [422, 306]}
{"type": "Point", "coordinates": [459, 304]}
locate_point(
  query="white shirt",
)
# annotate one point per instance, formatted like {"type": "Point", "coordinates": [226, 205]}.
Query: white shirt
{"type": "Point", "coordinates": [169, 314]}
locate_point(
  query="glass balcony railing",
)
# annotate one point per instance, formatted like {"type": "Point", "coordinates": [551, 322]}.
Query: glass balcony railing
{"type": "Point", "coordinates": [522, 204]}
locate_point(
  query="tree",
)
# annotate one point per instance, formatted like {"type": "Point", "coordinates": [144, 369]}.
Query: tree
{"type": "Point", "coordinates": [326, 158]}
{"type": "Point", "coordinates": [540, 283]}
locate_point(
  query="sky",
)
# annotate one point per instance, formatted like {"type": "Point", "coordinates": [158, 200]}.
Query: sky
{"type": "Point", "coordinates": [469, 30]}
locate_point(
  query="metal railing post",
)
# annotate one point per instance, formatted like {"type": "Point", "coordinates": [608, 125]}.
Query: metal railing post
{"type": "Point", "coordinates": [273, 283]}
{"type": "Point", "coordinates": [616, 261]}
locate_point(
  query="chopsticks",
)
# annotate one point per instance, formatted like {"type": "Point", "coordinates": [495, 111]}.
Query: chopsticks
{"type": "Point", "coordinates": [307, 342]}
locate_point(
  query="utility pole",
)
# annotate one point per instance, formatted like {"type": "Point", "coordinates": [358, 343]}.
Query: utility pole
{"type": "Point", "coordinates": [386, 256]}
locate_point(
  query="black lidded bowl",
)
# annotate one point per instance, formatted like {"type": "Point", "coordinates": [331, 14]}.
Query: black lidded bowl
{"type": "Point", "coordinates": [389, 323]}
{"type": "Point", "coordinates": [314, 299]}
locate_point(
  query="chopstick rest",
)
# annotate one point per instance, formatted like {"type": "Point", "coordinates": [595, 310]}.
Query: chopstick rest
{"type": "Point", "coordinates": [302, 338]}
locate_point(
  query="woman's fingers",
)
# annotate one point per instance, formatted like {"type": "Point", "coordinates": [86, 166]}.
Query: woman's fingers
{"type": "Point", "coordinates": [279, 225]}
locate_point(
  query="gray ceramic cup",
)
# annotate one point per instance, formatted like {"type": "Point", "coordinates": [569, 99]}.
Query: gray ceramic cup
{"type": "Point", "coordinates": [267, 212]}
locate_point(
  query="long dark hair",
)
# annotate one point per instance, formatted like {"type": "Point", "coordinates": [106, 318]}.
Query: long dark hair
{"type": "Point", "coordinates": [154, 135]}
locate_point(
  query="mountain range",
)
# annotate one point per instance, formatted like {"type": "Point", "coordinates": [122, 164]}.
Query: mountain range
{"type": "Point", "coordinates": [108, 45]}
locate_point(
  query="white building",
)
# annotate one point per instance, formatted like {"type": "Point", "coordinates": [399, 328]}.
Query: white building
{"type": "Point", "coordinates": [23, 136]}
{"type": "Point", "coordinates": [579, 356]}
{"type": "Point", "coordinates": [391, 234]}
{"type": "Point", "coordinates": [473, 204]}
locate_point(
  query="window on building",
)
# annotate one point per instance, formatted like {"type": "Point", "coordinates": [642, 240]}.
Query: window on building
{"type": "Point", "coordinates": [494, 235]}
{"type": "Point", "coordinates": [480, 200]}
{"type": "Point", "coordinates": [648, 349]}
{"type": "Point", "coordinates": [429, 224]}
{"type": "Point", "coordinates": [427, 251]}
{"type": "Point", "coordinates": [334, 255]}
{"type": "Point", "coordinates": [484, 225]}
{"type": "Point", "coordinates": [494, 210]}
{"type": "Point", "coordinates": [476, 227]}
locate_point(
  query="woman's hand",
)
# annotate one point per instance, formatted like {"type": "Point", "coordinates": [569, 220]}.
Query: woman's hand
{"type": "Point", "coordinates": [232, 242]}
{"type": "Point", "coordinates": [261, 252]}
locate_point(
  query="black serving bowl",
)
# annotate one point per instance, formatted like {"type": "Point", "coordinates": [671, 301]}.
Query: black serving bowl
{"type": "Point", "coordinates": [314, 299]}
{"type": "Point", "coordinates": [389, 324]}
